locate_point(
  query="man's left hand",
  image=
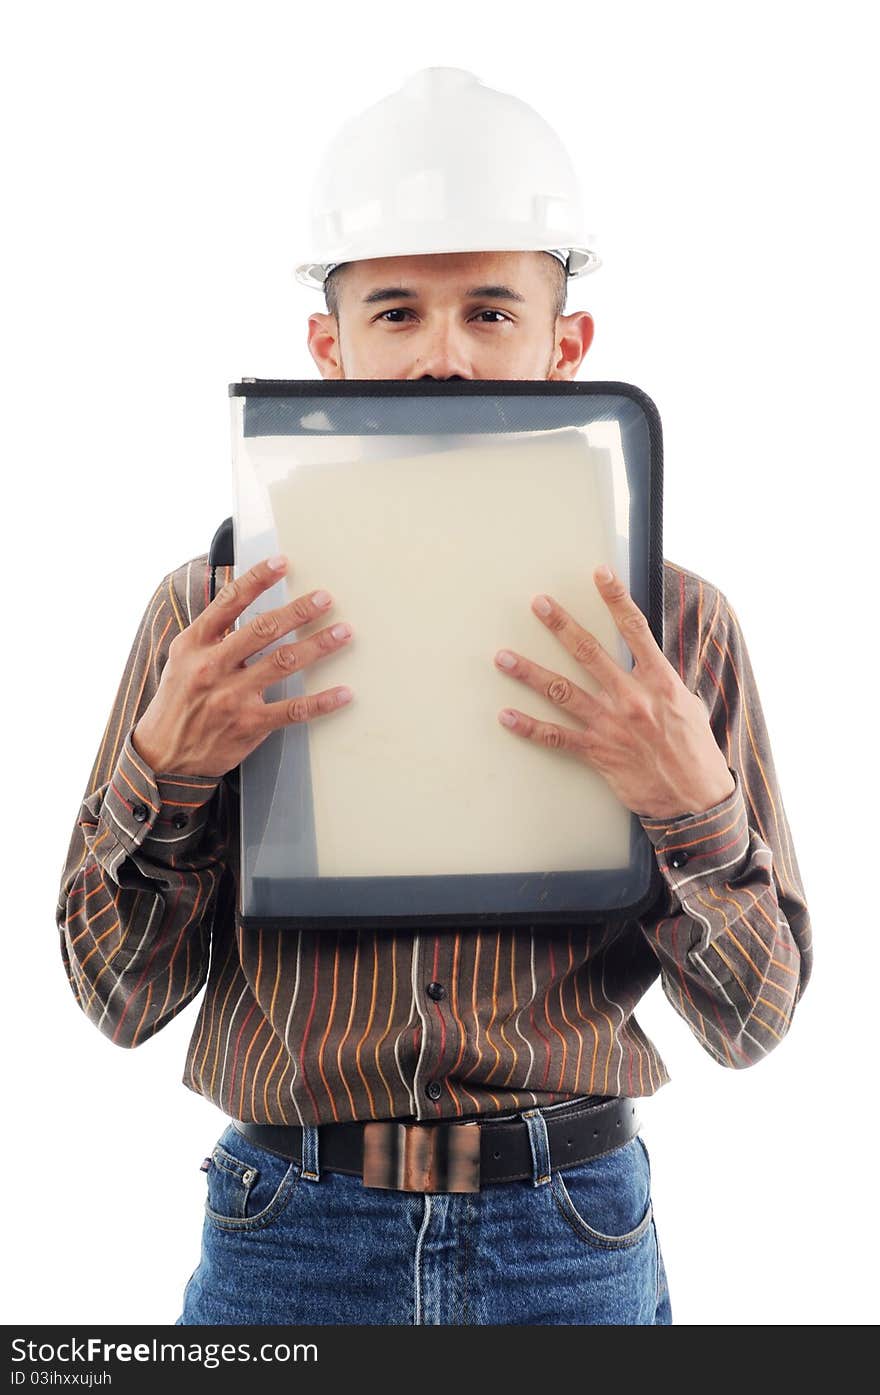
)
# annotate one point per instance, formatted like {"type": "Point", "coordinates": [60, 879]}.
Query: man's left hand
{"type": "Point", "coordinates": [644, 731]}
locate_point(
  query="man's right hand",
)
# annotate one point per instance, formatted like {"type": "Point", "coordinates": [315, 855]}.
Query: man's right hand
{"type": "Point", "coordinates": [208, 712]}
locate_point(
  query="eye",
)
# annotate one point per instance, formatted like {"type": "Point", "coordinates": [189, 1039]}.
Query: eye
{"type": "Point", "coordinates": [400, 310]}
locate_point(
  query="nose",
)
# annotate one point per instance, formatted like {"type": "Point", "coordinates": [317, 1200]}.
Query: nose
{"type": "Point", "coordinates": [437, 373]}
{"type": "Point", "coordinates": [442, 359]}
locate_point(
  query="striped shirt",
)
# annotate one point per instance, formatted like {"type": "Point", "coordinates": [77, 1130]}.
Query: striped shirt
{"type": "Point", "coordinates": [312, 1027]}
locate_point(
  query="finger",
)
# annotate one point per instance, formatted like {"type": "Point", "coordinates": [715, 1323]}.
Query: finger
{"type": "Point", "coordinates": [290, 658]}
{"type": "Point", "coordinates": [553, 686]}
{"type": "Point", "coordinates": [271, 625]}
{"type": "Point", "coordinates": [233, 598]}
{"type": "Point", "coordinates": [630, 621]}
{"type": "Point", "coordinates": [581, 644]}
{"type": "Point", "coordinates": [549, 734]}
{"type": "Point", "coordinates": [301, 709]}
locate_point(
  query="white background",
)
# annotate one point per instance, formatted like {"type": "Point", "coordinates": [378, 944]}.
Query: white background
{"type": "Point", "coordinates": [157, 160]}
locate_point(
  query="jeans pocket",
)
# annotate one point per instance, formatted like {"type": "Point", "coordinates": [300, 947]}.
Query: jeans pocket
{"type": "Point", "coordinates": [607, 1200]}
{"type": "Point", "coordinates": [248, 1187]}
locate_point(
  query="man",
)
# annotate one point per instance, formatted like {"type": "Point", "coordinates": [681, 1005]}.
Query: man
{"type": "Point", "coordinates": [509, 1056]}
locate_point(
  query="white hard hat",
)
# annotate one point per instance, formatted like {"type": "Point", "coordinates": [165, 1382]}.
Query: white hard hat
{"type": "Point", "coordinates": [445, 164]}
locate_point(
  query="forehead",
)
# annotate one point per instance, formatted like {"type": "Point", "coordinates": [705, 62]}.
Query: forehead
{"type": "Point", "coordinates": [449, 272]}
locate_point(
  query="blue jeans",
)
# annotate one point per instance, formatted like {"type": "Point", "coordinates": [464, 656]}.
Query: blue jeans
{"type": "Point", "coordinates": [288, 1243]}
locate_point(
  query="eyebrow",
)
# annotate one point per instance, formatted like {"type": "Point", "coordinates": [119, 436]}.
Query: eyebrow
{"type": "Point", "coordinates": [476, 293]}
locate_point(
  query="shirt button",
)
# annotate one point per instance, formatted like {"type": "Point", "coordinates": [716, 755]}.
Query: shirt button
{"type": "Point", "coordinates": [139, 812]}
{"type": "Point", "coordinates": [678, 858]}
{"type": "Point", "coordinates": [433, 1089]}
{"type": "Point", "coordinates": [436, 991]}
{"type": "Point", "coordinates": [180, 820]}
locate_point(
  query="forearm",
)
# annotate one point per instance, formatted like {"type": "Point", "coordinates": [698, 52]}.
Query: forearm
{"type": "Point", "coordinates": [726, 942]}
{"type": "Point", "coordinates": [136, 897]}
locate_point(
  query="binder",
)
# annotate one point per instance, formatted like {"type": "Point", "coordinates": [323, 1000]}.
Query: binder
{"type": "Point", "coordinates": [433, 512]}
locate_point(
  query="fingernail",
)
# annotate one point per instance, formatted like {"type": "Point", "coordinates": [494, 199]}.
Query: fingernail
{"type": "Point", "coordinates": [341, 631]}
{"type": "Point", "coordinates": [343, 695]}
{"type": "Point", "coordinates": [278, 563]}
{"type": "Point", "coordinates": [542, 605]}
{"type": "Point", "coordinates": [507, 717]}
{"type": "Point", "coordinates": [505, 658]}
{"type": "Point", "coordinates": [322, 598]}
{"type": "Point", "coordinates": [604, 573]}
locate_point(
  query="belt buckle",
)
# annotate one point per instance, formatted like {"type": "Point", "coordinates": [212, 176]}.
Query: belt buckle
{"type": "Point", "coordinates": [421, 1157]}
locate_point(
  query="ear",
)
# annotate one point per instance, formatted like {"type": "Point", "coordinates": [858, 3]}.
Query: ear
{"type": "Point", "coordinates": [323, 342]}
{"type": "Point", "coordinates": [574, 335]}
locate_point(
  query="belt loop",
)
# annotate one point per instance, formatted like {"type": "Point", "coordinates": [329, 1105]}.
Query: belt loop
{"type": "Point", "coordinates": [539, 1144]}
{"type": "Point", "coordinates": [310, 1165]}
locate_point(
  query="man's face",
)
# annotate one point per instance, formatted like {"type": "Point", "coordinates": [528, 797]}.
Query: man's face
{"type": "Point", "coordinates": [465, 315]}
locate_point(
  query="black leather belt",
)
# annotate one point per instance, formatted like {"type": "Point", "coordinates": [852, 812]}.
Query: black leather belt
{"type": "Point", "coordinates": [455, 1155]}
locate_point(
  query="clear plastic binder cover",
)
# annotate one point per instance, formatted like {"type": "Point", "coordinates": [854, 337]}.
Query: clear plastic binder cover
{"type": "Point", "coordinates": [433, 520]}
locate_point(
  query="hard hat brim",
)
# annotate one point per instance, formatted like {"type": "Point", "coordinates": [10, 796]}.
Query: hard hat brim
{"type": "Point", "coordinates": [581, 261]}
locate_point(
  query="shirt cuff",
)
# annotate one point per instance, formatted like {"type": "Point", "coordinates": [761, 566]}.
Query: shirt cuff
{"type": "Point", "coordinates": [165, 811]}
{"type": "Point", "coordinates": [702, 847]}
